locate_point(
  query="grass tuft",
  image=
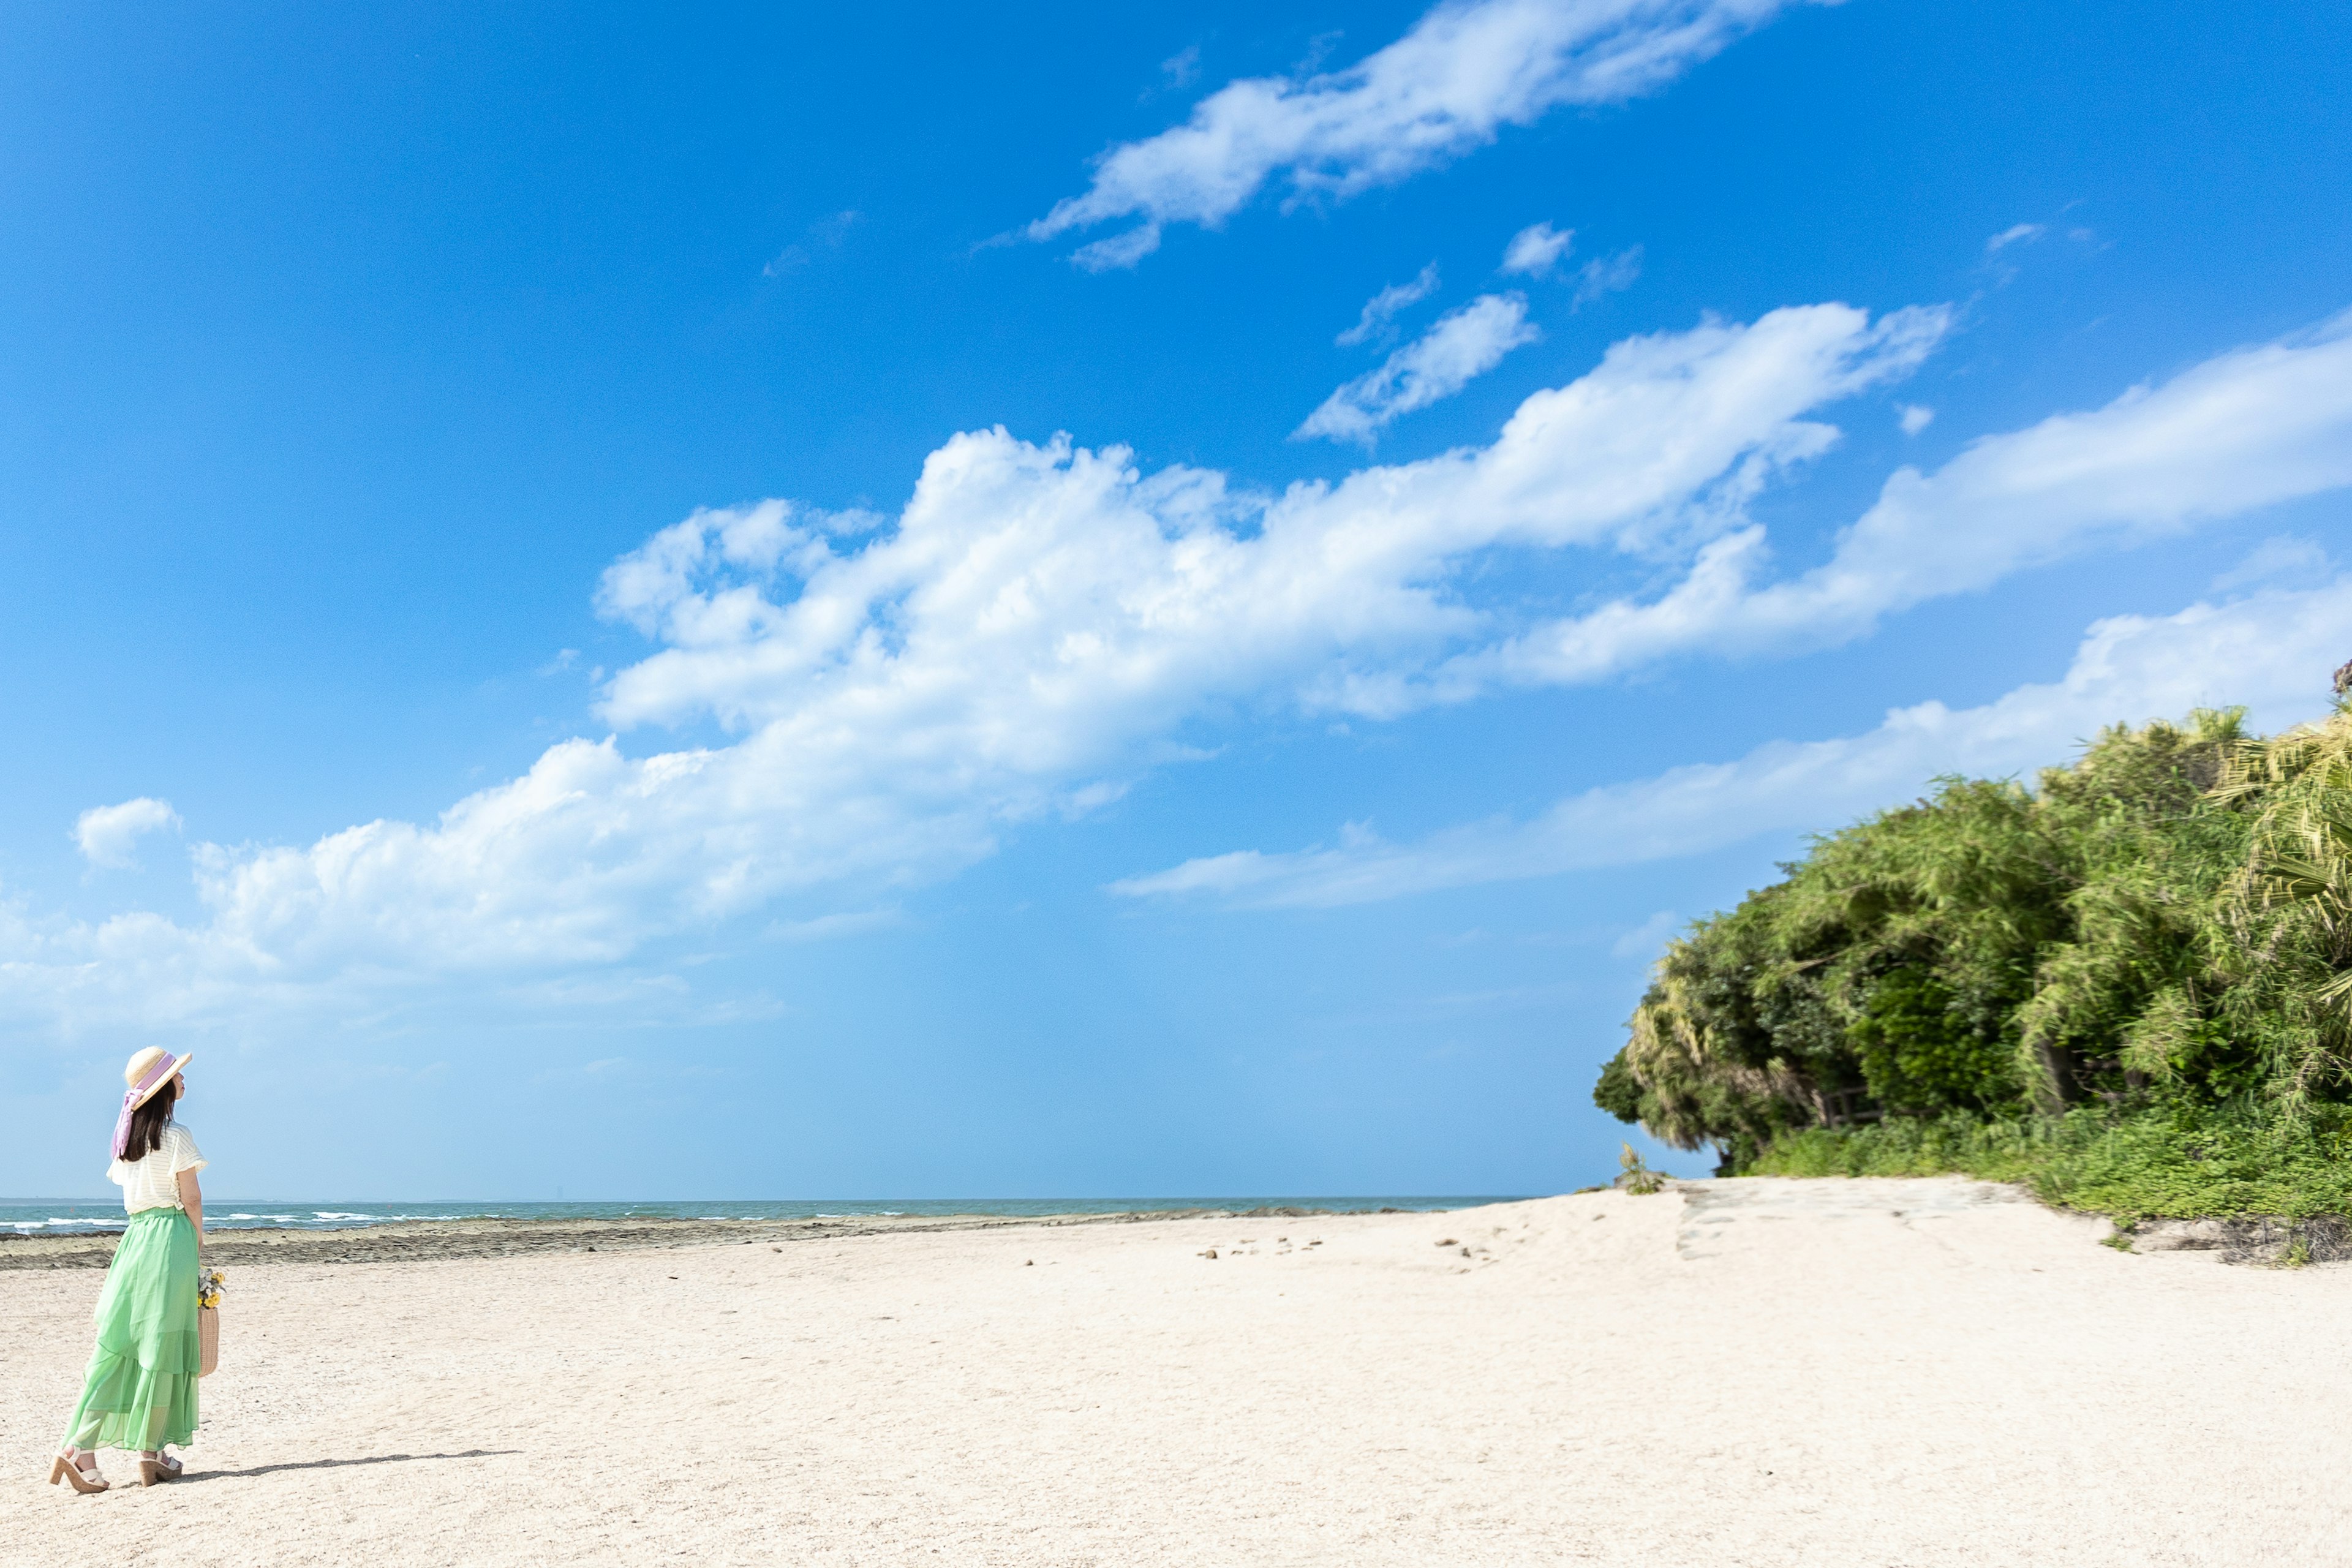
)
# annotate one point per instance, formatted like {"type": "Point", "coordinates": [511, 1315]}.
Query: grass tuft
{"type": "Point", "coordinates": [1639, 1179]}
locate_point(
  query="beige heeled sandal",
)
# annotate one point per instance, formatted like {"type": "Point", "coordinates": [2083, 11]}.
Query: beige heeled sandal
{"type": "Point", "coordinates": [64, 1470]}
{"type": "Point", "coordinates": [157, 1469]}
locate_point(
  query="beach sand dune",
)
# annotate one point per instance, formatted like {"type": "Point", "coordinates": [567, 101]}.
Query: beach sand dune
{"type": "Point", "coordinates": [1751, 1373]}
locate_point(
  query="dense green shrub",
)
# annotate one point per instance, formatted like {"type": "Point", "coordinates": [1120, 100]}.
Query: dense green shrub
{"type": "Point", "coordinates": [1919, 1056]}
{"type": "Point", "coordinates": [2130, 984]}
{"type": "Point", "coordinates": [2177, 1162]}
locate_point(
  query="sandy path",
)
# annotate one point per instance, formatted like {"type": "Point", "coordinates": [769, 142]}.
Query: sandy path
{"type": "Point", "coordinates": [1805, 1375]}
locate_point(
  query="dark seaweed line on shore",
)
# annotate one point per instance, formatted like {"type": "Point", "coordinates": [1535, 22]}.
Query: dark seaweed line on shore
{"type": "Point", "coordinates": [491, 1237]}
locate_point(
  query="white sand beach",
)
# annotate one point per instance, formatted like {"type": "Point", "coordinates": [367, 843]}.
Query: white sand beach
{"type": "Point", "coordinates": [1842, 1373]}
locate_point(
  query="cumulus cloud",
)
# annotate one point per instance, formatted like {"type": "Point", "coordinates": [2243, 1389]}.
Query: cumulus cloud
{"type": "Point", "coordinates": [1053, 596]}
{"type": "Point", "coordinates": [1381, 309]}
{"type": "Point", "coordinates": [1464, 345]}
{"type": "Point", "coordinates": [1043, 623]}
{"type": "Point", "coordinates": [1538, 248]}
{"type": "Point", "coordinates": [1913, 418]}
{"type": "Point", "coordinates": [109, 835]}
{"type": "Point", "coordinates": [877, 705]}
{"type": "Point", "coordinates": [2271, 651]}
{"type": "Point", "coordinates": [1466, 70]}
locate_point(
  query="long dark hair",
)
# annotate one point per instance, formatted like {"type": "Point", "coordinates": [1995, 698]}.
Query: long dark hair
{"type": "Point", "coordinates": [147, 1123]}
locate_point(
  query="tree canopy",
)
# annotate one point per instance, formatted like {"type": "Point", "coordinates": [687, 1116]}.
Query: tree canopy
{"type": "Point", "coordinates": [2163, 926]}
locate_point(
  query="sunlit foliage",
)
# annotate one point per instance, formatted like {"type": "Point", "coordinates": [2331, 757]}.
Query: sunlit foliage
{"type": "Point", "coordinates": [2152, 944]}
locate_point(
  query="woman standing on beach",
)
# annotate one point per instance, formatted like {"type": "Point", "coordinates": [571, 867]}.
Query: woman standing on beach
{"type": "Point", "coordinates": [141, 1393]}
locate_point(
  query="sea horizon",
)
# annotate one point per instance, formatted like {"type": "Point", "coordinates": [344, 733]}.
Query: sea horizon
{"type": "Point", "coordinates": [69, 1217]}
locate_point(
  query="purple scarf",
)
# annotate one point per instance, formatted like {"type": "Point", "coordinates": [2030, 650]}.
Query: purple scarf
{"type": "Point", "coordinates": [137, 1094]}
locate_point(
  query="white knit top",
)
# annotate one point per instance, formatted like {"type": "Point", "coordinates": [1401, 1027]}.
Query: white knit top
{"type": "Point", "coordinates": [151, 1180]}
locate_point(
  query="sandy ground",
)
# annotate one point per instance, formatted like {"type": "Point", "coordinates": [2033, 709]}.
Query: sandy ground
{"type": "Point", "coordinates": [1835, 1374]}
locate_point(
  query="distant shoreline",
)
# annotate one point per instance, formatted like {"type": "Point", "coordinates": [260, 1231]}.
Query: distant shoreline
{"type": "Point", "coordinates": [422, 1240]}
{"type": "Point", "coordinates": [60, 1216]}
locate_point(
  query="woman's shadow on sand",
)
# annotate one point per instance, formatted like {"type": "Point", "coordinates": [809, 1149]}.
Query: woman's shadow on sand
{"type": "Point", "coordinates": [335, 1464]}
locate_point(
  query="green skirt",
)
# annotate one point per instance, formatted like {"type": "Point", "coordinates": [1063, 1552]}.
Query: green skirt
{"type": "Point", "coordinates": [141, 1393]}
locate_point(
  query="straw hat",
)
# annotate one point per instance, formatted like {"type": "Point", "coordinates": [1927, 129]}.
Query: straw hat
{"type": "Point", "coordinates": [143, 1078]}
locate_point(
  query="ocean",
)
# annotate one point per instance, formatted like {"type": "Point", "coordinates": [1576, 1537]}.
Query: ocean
{"type": "Point", "coordinates": [69, 1217]}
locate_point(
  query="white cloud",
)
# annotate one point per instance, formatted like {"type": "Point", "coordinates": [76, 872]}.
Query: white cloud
{"type": "Point", "coordinates": [1049, 604]}
{"type": "Point", "coordinates": [1045, 623]}
{"type": "Point", "coordinates": [2280, 560]}
{"type": "Point", "coordinates": [1538, 250]}
{"type": "Point", "coordinates": [2016, 234]}
{"type": "Point", "coordinates": [1913, 417]}
{"type": "Point", "coordinates": [109, 835]}
{"type": "Point", "coordinates": [1381, 309]}
{"type": "Point", "coordinates": [1118, 251]}
{"type": "Point", "coordinates": [1608, 275]}
{"type": "Point", "coordinates": [1449, 86]}
{"type": "Point", "coordinates": [1042, 624]}
{"type": "Point", "coordinates": [2271, 652]}
{"type": "Point", "coordinates": [2242, 430]}
{"type": "Point", "coordinates": [1179, 69]}
{"type": "Point", "coordinates": [1464, 344]}
{"type": "Point", "coordinates": [1535, 250]}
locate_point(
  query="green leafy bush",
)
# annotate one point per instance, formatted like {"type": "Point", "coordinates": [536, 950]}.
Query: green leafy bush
{"type": "Point", "coordinates": [2181, 1161]}
{"type": "Point", "coordinates": [2130, 986]}
{"type": "Point", "coordinates": [1919, 1056]}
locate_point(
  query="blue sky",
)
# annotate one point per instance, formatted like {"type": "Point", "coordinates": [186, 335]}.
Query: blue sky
{"type": "Point", "coordinates": [814, 606]}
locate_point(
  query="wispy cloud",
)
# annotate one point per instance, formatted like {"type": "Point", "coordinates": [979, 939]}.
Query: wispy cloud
{"type": "Point", "coordinates": [1913, 418]}
{"type": "Point", "coordinates": [1539, 250]}
{"type": "Point", "coordinates": [832, 927]}
{"type": "Point", "coordinates": [1536, 250]}
{"type": "Point", "coordinates": [2002, 265]}
{"type": "Point", "coordinates": [826, 234]}
{"type": "Point", "coordinates": [2242, 430]}
{"type": "Point", "coordinates": [2271, 651]}
{"type": "Point", "coordinates": [1464, 344]}
{"type": "Point", "coordinates": [1181, 68]}
{"type": "Point", "coordinates": [1608, 275]}
{"type": "Point", "coordinates": [1449, 86]}
{"type": "Point", "coordinates": [1379, 311]}
{"type": "Point", "coordinates": [2280, 559]}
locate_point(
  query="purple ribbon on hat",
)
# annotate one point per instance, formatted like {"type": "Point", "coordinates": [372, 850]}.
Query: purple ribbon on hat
{"type": "Point", "coordinates": [136, 1095]}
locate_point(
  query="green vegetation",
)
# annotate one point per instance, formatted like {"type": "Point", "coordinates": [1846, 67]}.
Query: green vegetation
{"type": "Point", "coordinates": [2129, 986]}
{"type": "Point", "coordinates": [1638, 1178]}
